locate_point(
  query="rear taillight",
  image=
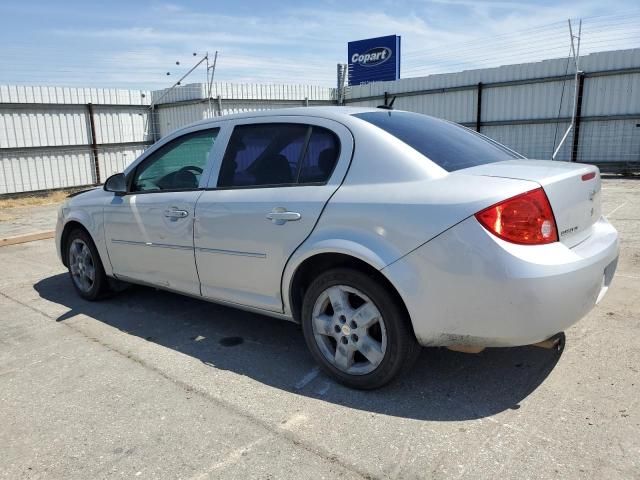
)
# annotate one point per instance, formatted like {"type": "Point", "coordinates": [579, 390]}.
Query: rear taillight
{"type": "Point", "coordinates": [526, 219]}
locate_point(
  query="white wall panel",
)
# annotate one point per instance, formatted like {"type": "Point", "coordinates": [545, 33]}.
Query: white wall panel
{"type": "Point", "coordinates": [35, 118]}
{"type": "Point", "coordinates": [612, 95]}
{"type": "Point", "coordinates": [239, 91]}
{"type": "Point", "coordinates": [600, 141]}
{"type": "Point", "coordinates": [121, 125]}
{"type": "Point", "coordinates": [22, 127]}
{"type": "Point", "coordinates": [609, 141]}
{"type": "Point", "coordinates": [168, 119]}
{"type": "Point", "coordinates": [547, 68]}
{"type": "Point", "coordinates": [25, 172]}
{"type": "Point", "coordinates": [457, 106]}
{"type": "Point", "coordinates": [529, 101]}
{"type": "Point", "coordinates": [533, 140]}
{"type": "Point", "coordinates": [72, 95]}
{"type": "Point", "coordinates": [115, 160]}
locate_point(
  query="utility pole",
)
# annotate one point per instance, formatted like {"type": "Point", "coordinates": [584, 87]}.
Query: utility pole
{"type": "Point", "coordinates": [211, 69]}
{"type": "Point", "coordinates": [179, 81]}
{"type": "Point", "coordinates": [342, 77]}
{"type": "Point", "coordinates": [152, 107]}
{"type": "Point", "coordinates": [575, 51]}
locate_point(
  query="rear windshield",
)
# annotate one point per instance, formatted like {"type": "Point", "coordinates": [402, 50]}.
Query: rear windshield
{"type": "Point", "coordinates": [449, 145]}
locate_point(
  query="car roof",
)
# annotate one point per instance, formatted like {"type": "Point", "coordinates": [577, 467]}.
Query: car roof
{"type": "Point", "coordinates": [330, 112]}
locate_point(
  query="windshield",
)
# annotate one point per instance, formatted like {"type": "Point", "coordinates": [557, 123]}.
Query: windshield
{"type": "Point", "coordinates": [447, 144]}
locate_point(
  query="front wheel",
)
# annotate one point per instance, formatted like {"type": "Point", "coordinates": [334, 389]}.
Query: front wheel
{"type": "Point", "coordinates": [356, 329]}
{"type": "Point", "coordinates": [85, 268]}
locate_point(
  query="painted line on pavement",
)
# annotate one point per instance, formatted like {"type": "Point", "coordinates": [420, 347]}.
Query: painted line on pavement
{"type": "Point", "coordinates": [615, 210]}
{"type": "Point", "coordinates": [308, 378]}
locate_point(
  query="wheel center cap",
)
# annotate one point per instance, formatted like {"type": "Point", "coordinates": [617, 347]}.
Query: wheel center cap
{"type": "Point", "coordinates": [346, 330]}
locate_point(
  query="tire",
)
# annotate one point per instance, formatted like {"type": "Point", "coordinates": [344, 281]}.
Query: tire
{"type": "Point", "coordinates": [85, 267]}
{"type": "Point", "coordinates": [363, 355]}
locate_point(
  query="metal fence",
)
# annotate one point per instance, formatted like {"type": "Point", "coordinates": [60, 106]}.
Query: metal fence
{"type": "Point", "coordinates": [528, 107]}
{"type": "Point", "coordinates": [54, 137]}
{"type": "Point", "coordinates": [191, 103]}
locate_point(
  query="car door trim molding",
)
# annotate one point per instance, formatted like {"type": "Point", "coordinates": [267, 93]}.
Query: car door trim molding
{"type": "Point", "coordinates": [151, 244]}
{"type": "Point", "coordinates": [232, 252]}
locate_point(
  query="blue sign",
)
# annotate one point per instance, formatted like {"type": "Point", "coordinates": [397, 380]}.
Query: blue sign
{"type": "Point", "coordinates": [374, 60]}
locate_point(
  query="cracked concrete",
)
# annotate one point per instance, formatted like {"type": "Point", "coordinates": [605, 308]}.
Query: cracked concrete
{"type": "Point", "coordinates": [142, 386]}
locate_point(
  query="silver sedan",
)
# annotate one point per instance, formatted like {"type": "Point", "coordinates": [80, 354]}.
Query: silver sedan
{"type": "Point", "coordinates": [379, 231]}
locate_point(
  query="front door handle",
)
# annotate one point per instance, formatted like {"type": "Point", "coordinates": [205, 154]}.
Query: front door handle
{"type": "Point", "coordinates": [175, 213]}
{"type": "Point", "coordinates": [280, 216]}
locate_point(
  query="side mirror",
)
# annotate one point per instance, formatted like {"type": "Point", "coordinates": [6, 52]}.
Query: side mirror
{"type": "Point", "coordinates": [117, 184]}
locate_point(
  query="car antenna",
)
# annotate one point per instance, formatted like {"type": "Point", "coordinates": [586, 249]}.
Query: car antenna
{"type": "Point", "coordinates": [388, 105]}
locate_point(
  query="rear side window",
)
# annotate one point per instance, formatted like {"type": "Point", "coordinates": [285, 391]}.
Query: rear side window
{"type": "Point", "coordinates": [262, 154]}
{"type": "Point", "coordinates": [321, 157]}
{"type": "Point", "coordinates": [447, 144]}
{"type": "Point", "coordinates": [278, 154]}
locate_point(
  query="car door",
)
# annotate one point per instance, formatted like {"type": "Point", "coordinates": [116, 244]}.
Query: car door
{"type": "Point", "coordinates": [149, 231]}
{"type": "Point", "coordinates": [273, 183]}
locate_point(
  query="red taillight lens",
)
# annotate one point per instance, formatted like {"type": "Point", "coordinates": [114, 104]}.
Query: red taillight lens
{"type": "Point", "coordinates": [526, 219]}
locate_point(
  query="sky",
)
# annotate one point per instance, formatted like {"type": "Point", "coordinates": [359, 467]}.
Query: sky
{"type": "Point", "coordinates": [135, 43]}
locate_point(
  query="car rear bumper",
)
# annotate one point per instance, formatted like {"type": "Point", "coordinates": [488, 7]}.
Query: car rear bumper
{"type": "Point", "coordinates": [468, 287]}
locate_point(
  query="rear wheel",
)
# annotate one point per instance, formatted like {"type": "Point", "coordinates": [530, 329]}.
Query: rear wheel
{"type": "Point", "coordinates": [85, 268]}
{"type": "Point", "coordinates": [356, 329]}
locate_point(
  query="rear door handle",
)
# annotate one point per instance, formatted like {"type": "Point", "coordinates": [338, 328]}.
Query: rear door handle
{"type": "Point", "coordinates": [280, 216]}
{"type": "Point", "coordinates": [175, 213]}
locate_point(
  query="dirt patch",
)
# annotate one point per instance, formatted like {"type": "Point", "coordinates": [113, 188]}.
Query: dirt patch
{"type": "Point", "coordinates": [30, 201]}
{"type": "Point", "coordinates": [6, 217]}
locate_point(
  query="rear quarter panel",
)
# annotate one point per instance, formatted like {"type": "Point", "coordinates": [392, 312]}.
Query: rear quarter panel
{"type": "Point", "coordinates": [381, 223]}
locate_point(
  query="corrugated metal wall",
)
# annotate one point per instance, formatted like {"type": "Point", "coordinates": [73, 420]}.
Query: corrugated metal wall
{"type": "Point", "coordinates": [44, 170]}
{"type": "Point", "coordinates": [72, 95]}
{"type": "Point", "coordinates": [601, 61]}
{"type": "Point", "coordinates": [190, 103]}
{"type": "Point", "coordinates": [116, 160]}
{"type": "Point", "coordinates": [244, 91]}
{"type": "Point", "coordinates": [528, 107]}
{"type": "Point", "coordinates": [168, 118]}
{"type": "Point", "coordinates": [23, 126]}
{"type": "Point", "coordinates": [45, 134]}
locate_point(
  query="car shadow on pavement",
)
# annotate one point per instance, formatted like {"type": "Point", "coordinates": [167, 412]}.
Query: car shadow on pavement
{"type": "Point", "coordinates": [442, 386]}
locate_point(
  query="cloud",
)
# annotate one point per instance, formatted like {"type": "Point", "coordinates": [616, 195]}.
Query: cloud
{"type": "Point", "coordinates": [293, 44]}
{"type": "Point", "coordinates": [161, 36]}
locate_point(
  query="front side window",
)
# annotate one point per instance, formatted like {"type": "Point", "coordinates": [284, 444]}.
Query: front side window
{"type": "Point", "coordinates": [176, 166]}
{"type": "Point", "coordinates": [447, 144]}
{"type": "Point", "coordinates": [263, 154]}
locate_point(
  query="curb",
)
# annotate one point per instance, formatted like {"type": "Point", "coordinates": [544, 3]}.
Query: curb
{"type": "Point", "coordinates": [31, 237]}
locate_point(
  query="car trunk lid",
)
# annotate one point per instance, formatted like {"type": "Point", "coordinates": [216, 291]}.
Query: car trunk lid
{"type": "Point", "coordinates": [573, 190]}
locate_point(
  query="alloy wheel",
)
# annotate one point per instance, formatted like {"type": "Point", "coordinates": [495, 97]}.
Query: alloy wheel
{"type": "Point", "coordinates": [349, 330]}
{"type": "Point", "coordinates": [81, 265]}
